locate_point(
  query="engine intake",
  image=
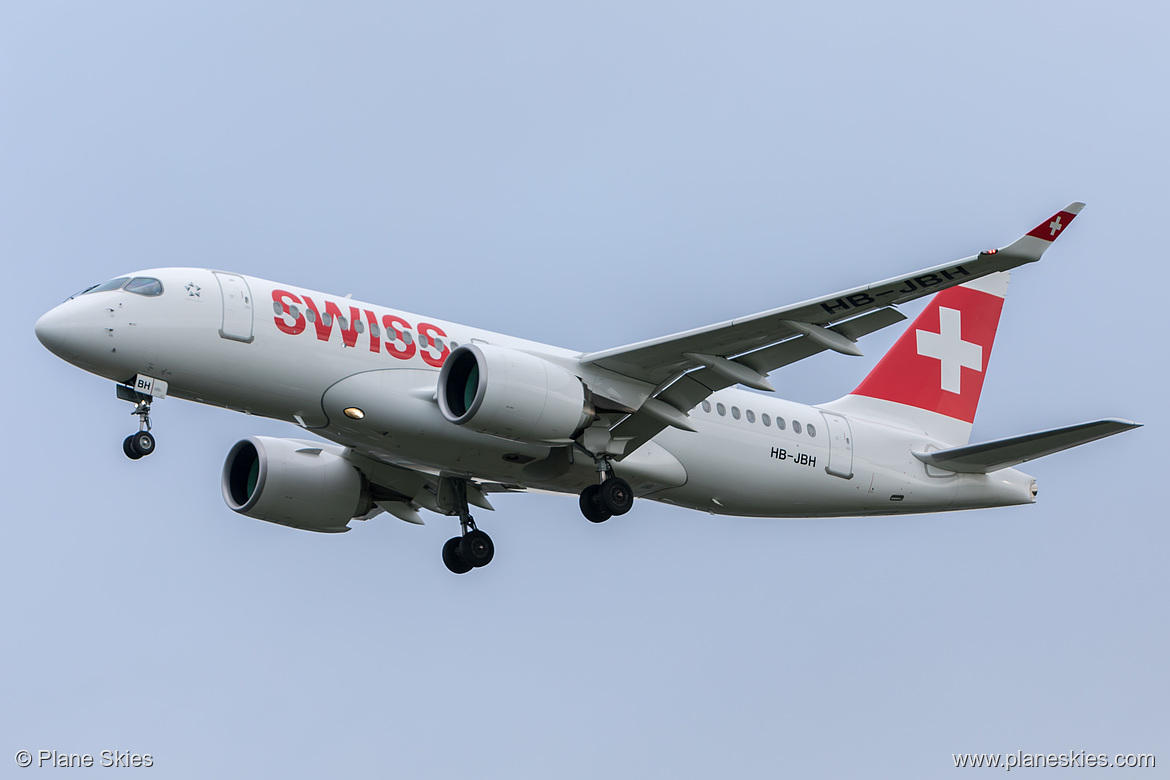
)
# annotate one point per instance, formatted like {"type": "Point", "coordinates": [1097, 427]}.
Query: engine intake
{"type": "Point", "coordinates": [512, 394]}
{"type": "Point", "coordinates": [295, 483]}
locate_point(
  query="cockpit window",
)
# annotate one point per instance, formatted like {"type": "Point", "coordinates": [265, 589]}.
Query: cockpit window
{"type": "Point", "coordinates": [80, 293]}
{"type": "Point", "coordinates": [113, 284]}
{"type": "Point", "coordinates": [139, 285]}
{"type": "Point", "coordinates": [144, 285]}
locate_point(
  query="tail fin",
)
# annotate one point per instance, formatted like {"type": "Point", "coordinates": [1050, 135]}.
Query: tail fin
{"type": "Point", "coordinates": [933, 376]}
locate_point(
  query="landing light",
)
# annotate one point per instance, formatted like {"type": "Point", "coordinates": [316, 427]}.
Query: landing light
{"type": "Point", "coordinates": [354, 413]}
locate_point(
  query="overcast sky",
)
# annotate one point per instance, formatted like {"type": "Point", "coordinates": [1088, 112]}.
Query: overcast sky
{"type": "Point", "coordinates": [586, 175]}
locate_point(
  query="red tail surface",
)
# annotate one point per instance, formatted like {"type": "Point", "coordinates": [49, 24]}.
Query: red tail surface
{"type": "Point", "coordinates": [939, 363]}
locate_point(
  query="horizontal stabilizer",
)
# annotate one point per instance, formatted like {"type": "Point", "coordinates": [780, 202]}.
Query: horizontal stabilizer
{"type": "Point", "coordinates": [1004, 453]}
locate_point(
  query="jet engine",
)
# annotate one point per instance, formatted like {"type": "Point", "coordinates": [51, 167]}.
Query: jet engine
{"type": "Point", "coordinates": [513, 395]}
{"type": "Point", "coordinates": [295, 483]}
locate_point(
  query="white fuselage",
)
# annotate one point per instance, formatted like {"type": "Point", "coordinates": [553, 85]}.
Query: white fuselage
{"type": "Point", "coordinates": [218, 339]}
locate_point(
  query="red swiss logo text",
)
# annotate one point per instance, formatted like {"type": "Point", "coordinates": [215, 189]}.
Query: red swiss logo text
{"type": "Point", "coordinates": [394, 333]}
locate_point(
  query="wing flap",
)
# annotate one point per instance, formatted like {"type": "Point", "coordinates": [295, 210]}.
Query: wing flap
{"type": "Point", "coordinates": [1004, 453]}
{"type": "Point", "coordinates": [689, 390]}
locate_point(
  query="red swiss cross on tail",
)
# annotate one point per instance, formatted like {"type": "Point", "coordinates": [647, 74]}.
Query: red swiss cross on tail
{"type": "Point", "coordinates": [939, 362]}
{"type": "Point", "coordinates": [931, 379]}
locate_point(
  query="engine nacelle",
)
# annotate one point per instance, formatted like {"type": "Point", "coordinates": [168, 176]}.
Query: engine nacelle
{"type": "Point", "coordinates": [293, 483]}
{"type": "Point", "coordinates": [512, 394]}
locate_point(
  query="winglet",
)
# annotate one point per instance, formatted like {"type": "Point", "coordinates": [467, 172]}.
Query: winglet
{"type": "Point", "coordinates": [1049, 230]}
{"type": "Point", "coordinates": [1032, 245]}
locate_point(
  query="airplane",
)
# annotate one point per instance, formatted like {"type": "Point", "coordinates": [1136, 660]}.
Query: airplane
{"type": "Point", "coordinates": [414, 413]}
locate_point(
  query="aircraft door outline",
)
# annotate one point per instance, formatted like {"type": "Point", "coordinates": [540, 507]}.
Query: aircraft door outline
{"type": "Point", "coordinates": [840, 446]}
{"type": "Point", "coordinates": [237, 307]}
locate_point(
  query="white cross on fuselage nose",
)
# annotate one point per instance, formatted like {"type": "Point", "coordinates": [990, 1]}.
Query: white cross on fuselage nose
{"type": "Point", "coordinates": [1054, 226]}
{"type": "Point", "coordinates": [947, 347]}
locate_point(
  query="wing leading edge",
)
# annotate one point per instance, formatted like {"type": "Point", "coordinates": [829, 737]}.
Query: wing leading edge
{"type": "Point", "coordinates": [687, 367]}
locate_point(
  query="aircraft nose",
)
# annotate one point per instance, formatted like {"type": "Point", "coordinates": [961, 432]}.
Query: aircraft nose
{"type": "Point", "coordinates": [53, 331]}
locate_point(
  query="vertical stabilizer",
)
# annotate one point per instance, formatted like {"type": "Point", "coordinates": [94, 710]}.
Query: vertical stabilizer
{"type": "Point", "coordinates": [932, 377]}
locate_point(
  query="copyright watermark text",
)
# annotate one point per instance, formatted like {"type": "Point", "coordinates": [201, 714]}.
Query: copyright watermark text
{"type": "Point", "coordinates": [104, 758]}
{"type": "Point", "coordinates": [1072, 759]}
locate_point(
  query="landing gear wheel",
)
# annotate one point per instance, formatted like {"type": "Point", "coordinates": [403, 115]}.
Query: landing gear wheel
{"type": "Point", "coordinates": [616, 496]}
{"type": "Point", "coordinates": [142, 443]}
{"type": "Point", "coordinates": [128, 448]}
{"type": "Point", "coordinates": [453, 559]}
{"type": "Point", "coordinates": [591, 505]}
{"type": "Point", "coordinates": [477, 549]}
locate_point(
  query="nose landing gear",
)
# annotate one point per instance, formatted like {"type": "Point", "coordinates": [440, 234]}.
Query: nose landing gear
{"type": "Point", "coordinates": [140, 444]}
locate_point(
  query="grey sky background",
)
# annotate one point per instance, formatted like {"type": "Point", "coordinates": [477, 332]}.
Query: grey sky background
{"type": "Point", "coordinates": [586, 176]}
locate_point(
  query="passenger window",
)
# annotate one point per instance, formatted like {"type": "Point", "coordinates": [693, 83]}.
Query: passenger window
{"type": "Point", "coordinates": [327, 320]}
{"type": "Point", "coordinates": [812, 432]}
{"type": "Point", "coordinates": [375, 330]}
{"type": "Point", "coordinates": [735, 412]}
{"type": "Point", "coordinates": [359, 326]}
{"type": "Point", "coordinates": [277, 309]}
{"type": "Point", "coordinates": [407, 337]}
{"type": "Point", "coordinates": [310, 315]}
{"type": "Point", "coordinates": [766, 420]}
{"type": "Point", "coordinates": [721, 409]}
{"type": "Point", "coordinates": [751, 416]}
{"type": "Point", "coordinates": [144, 285]}
{"type": "Point", "coordinates": [707, 407]}
{"type": "Point", "coordinates": [795, 426]}
{"type": "Point", "coordinates": [780, 423]}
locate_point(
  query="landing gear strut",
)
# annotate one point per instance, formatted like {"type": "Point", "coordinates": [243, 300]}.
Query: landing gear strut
{"type": "Point", "coordinates": [139, 444]}
{"type": "Point", "coordinates": [612, 496]}
{"type": "Point", "coordinates": [474, 548]}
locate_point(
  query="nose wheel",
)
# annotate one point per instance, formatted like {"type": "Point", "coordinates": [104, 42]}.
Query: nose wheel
{"type": "Point", "coordinates": [140, 444]}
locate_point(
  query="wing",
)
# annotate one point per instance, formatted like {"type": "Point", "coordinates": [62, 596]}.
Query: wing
{"type": "Point", "coordinates": [402, 491]}
{"type": "Point", "coordinates": [687, 367]}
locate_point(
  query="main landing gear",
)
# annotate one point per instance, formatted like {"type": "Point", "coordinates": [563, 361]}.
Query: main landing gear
{"type": "Point", "coordinates": [474, 548]}
{"type": "Point", "coordinates": [612, 496]}
{"type": "Point", "coordinates": [140, 444]}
